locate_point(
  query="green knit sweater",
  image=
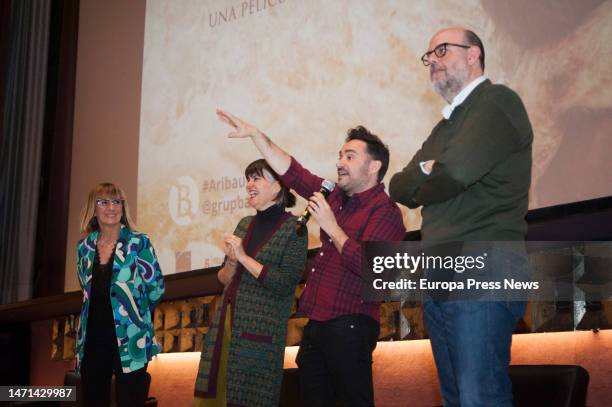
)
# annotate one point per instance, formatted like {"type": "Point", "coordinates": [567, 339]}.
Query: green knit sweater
{"type": "Point", "coordinates": [478, 188]}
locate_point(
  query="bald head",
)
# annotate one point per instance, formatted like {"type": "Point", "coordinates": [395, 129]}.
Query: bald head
{"type": "Point", "coordinates": [453, 34]}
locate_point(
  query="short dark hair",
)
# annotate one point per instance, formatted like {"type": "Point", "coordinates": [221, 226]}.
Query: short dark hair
{"type": "Point", "coordinates": [472, 39]}
{"type": "Point", "coordinates": [284, 196]}
{"type": "Point", "coordinates": [377, 150]}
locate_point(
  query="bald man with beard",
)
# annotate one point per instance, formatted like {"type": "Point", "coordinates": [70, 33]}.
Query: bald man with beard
{"type": "Point", "coordinates": [471, 177]}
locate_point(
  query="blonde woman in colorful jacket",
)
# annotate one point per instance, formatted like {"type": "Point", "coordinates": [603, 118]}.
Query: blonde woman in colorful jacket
{"type": "Point", "coordinates": [122, 283]}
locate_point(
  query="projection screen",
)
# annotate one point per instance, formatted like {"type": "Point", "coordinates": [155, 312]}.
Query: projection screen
{"type": "Point", "coordinates": [306, 71]}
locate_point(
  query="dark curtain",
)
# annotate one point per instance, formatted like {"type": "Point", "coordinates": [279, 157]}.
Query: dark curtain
{"type": "Point", "coordinates": [20, 151]}
{"type": "Point", "coordinates": [54, 195]}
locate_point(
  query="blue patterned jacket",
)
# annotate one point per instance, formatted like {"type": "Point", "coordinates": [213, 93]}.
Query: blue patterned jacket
{"type": "Point", "coordinates": [137, 285]}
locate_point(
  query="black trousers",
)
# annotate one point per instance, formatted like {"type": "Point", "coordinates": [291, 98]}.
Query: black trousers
{"type": "Point", "coordinates": [335, 361]}
{"type": "Point", "coordinates": [99, 364]}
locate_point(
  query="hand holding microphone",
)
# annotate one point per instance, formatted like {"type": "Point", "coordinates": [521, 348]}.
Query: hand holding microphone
{"type": "Point", "coordinates": [327, 187]}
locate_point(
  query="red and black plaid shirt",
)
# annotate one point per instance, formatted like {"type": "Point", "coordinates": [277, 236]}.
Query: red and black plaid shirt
{"type": "Point", "coordinates": [334, 280]}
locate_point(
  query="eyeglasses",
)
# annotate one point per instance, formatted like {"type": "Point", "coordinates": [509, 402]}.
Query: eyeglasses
{"type": "Point", "coordinates": [440, 51]}
{"type": "Point", "coordinates": [104, 203]}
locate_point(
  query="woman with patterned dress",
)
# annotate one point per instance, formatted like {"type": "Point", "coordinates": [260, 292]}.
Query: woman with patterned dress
{"type": "Point", "coordinates": [242, 360]}
{"type": "Point", "coordinates": [122, 283]}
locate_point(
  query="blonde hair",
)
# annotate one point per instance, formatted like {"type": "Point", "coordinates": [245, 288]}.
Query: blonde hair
{"type": "Point", "coordinates": [89, 223]}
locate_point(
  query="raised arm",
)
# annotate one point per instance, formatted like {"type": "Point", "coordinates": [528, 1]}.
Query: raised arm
{"type": "Point", "coordinates": [276, 157]}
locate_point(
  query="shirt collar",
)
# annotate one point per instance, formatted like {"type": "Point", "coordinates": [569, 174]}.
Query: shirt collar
{"type": "Point", "coordinates": [461, 96]}
{"type": "Point", "coordinates": [366, 195]}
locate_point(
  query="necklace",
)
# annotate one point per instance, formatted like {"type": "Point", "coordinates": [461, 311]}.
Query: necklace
{"type": "Point", "coordinates": [106, 243]}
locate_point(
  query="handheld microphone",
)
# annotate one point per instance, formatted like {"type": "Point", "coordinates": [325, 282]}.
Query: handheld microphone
{"type": "Point", "coordinates": [326, 187]}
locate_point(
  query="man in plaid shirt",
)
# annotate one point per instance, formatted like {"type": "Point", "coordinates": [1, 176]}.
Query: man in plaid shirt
{"type": "Point", "coordinates": [335, 356]}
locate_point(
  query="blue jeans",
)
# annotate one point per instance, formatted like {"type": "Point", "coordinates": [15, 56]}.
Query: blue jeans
{"type": "Point", "coordinates": [471, 345]}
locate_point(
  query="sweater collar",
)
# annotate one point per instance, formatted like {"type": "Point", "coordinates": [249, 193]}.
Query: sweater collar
{"type": "Point", "coordinates": [461, 96]}
{"type": "Point", "coordinates": [271, 213]}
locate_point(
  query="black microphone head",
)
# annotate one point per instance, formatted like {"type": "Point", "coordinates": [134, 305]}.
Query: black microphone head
{"type": "Point", "coordinates": [326, 187]}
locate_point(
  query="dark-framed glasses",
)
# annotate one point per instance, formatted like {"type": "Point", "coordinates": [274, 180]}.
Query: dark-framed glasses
{"type": "Point", "coordinates": [440, 51]}
{"type": "Point", "coordinates": [105, 203]}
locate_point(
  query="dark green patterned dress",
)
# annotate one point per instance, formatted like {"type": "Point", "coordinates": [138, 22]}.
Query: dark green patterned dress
{"type": "Point", "coordinates": [260, 308]}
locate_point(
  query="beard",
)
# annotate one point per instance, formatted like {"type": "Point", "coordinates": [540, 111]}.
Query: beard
{"type": "Point", "coordinates": [452, 83]}
{"type": "Point", "coordinates": [354, 179]}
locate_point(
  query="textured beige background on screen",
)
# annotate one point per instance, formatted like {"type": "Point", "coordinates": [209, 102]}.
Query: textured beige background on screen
{"type": "Point", "coordinates": [306, 71]}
